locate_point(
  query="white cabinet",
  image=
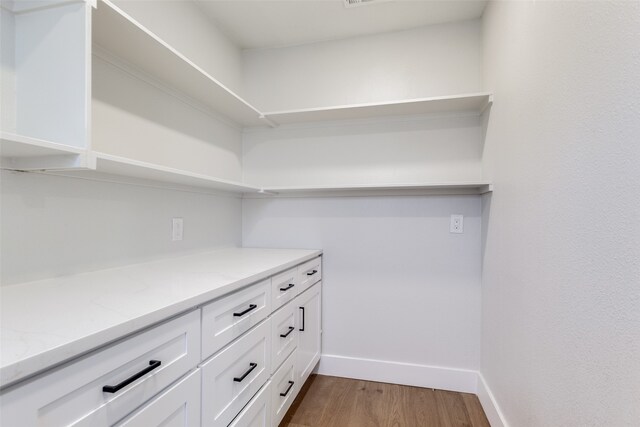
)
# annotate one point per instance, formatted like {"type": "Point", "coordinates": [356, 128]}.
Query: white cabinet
{"type": "Point", "coordinates": [178, 406]}
{"type": "Point", "coordinates": [45, 124]}
{"type": "Point", "coordinates": [284, 334]}
{"type": "Point", "coordinates": [309, 273]}
{"type": "Point", "coordinates": [310, 328]}
{"type": "Point", "coordinates": [258, 412]}
{"type": "Point", "coordinates": [232, 360]}
{"type": "Point", "coordinates": [233, 376]}
{"type": "Point", "coordinates": [284, 387]}
{"type": "Point", "coordinates": [229, 317]}
{"type": "Point", "coordinates": [103, 388]}
{"type": "Point", "coordinates": [283, 288]}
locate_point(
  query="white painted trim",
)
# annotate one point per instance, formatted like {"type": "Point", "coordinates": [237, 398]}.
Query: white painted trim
{"type": "Point", "coordinates": [443, 378]}
{"type": "Point", "coordinates": [453, 379]}
{"type": "Point", "coordinates": [489, 404]}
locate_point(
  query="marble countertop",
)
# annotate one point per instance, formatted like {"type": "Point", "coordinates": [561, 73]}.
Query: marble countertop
{"type": "Point", "coordinates": [47, 322]}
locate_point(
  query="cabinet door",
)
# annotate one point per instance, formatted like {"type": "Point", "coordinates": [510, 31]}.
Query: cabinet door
{"type": "Point", "coordinates": [179, 406]}
{"type": "Point", "coordinates": [309, 331]}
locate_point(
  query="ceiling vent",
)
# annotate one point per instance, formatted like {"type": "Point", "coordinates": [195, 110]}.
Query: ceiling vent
{"type": "Point", "coordinates": [354, 3]}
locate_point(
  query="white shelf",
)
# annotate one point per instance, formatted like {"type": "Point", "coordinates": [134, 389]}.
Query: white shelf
{"type": "Point", "coordinates": [472, 103]}
{"type": "Point", "coordinates": [123, 36]}
{"type": "Point", "coordinates": [112, 167]}
{"type": "Point", "coordinates": [459, 188]}
{"type": "Point", "coordinates": [21, 152]}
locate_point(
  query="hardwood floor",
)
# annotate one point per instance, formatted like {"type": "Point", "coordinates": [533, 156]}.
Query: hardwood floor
{"type": "Point", "coordinates": [342, 402]}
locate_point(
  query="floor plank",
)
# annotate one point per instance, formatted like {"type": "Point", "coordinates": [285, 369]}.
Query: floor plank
{"type": "Point", "coordinates": [341, 402]}
{"type": "Point", "coordinates": [474, 408]}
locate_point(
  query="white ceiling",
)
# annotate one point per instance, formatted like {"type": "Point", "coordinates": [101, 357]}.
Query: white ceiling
{"type": "Point", "coordinates": [274, 23]}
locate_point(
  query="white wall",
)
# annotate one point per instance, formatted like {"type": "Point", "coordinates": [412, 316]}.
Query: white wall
{"type": "Point", "coordinates": [398, 287]}
{"type": "Point", "coordinates": [431, 61]}
{"type": "Point", "coordinates": [54, 225]}
{"type": "Point", "coordinates": [436, 149]}
{"type": "Point", "coordinates": [184, 26]}
{"type": "Point", "coordinates": [134, 119]}
{"type": "Point", "coordinates": [561, 285]}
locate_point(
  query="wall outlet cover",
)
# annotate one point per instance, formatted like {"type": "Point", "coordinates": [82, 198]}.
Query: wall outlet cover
{"type": "Point", "coordinates": [457, 224]}
{"type": "Point", "coordinates": [177, 229]}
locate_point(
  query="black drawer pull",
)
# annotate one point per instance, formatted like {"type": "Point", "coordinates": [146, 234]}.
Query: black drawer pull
{"type": "Point", "coordinates": [242, 313]}
{"type": "Point", "coordinates": [291, 383]}
{"type": "Point", "coordinates": [153, 364]}
{"type": "Point", "coordinates": [291, 285]}
{"type": "Point", "coordinates": [302, 329]}
{"type": "Point", "coordinates": [239, 379]}
{"type": "Point", "coordinates": [312, 273]}
{"type": "Point", "coordinates": [291, 328]}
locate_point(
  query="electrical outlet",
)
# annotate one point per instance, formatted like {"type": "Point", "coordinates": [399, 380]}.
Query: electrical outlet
{"type": "Point", "coordinates": [177, 229]}
{"type": "Point", "coordinates": [457, 224]}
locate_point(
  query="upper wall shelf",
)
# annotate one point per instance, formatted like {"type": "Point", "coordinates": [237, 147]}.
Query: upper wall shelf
{"type": "Point", "coordinates": [460, 188]}
{"type": "Point", "coordinates": [20, 152]}
{"type": "Point", "coordinates": [473, 103]}
{"type": "Point", "coordinates": [124, 37]}
{"type": "Point", "coordinates": [115, 166]}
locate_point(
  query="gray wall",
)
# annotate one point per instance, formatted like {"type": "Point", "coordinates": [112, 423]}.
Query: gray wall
{"type": "Point", "coordinates": [54, 226]}
{"type": "Point", "coordinates": [561, 285]}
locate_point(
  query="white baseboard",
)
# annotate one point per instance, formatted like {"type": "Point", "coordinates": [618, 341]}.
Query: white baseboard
{"type": "Point", "coordinates": [489, 404]}
{"type": "Point", "coordinates": [399, 373]}
{"type": "Point", "coordinates": [462, 380]}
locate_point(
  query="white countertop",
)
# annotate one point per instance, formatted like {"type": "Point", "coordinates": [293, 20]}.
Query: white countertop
{"type": "Point", "coordinates": [47, 322]}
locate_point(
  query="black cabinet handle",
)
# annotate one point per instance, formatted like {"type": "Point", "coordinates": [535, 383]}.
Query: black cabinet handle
{"type": "Point", "coordinates": [311, 273]}
{"type": "Point", "coordinates": [291, 328]}
{"type": "Point", "coordinates": [291, 285]}
{"type": "Point", "coordinates": [291, 383]}
{"type": "Point", "coordinates": [153, 364]}
{"type": "Point", "coordinates": [242, 313]}
{"type": "Point", "coordinates": [302, 329]}
{"type": "Point", "coordinates": [239, 379]}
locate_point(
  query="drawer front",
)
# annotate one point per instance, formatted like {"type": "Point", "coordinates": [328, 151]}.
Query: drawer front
{"type": "Point", "coordinates": [284, 387]}
{"type": "Point", "coordinates": [284, 288]}
{"type": "Point", "coordinates": [309, 273]}
{"type": "Point", "coordinates": [258, 412]}
{"type": "Point", "coordinates": [74, 396]}
{"type": "Point", "coordinates": [179, 406]}
{"type": "Point", "coordinates": [229, 317]}
{"type": "Point", "coordinates": [284, 335]}
{"type": "Point", "coordinates": [232, 377]}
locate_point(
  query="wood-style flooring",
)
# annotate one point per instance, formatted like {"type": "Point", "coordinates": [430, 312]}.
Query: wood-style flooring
{"type": "Point", "coordinates": [342, 402]}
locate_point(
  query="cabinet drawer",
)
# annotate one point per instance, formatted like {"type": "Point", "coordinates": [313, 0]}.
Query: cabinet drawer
{"type": "Point", "coordinates": [284, 335]}
{"type": "Point", "coordinates": [309, 273]}
{"type": "Point", "coordinates": [284, 387]}
{"type": "Point", "coordinates": [179, 406]}
{"type": "Point", "coordinates": [233, 376]}
{"type": "Point", "coordinates": [284, 288]}
{"type": "Point", "coordinates": [74, 396]}
{"type": "Point", "coordinates": [258, 412]}
{"type": "Point", "coordinates": [229, 317]}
